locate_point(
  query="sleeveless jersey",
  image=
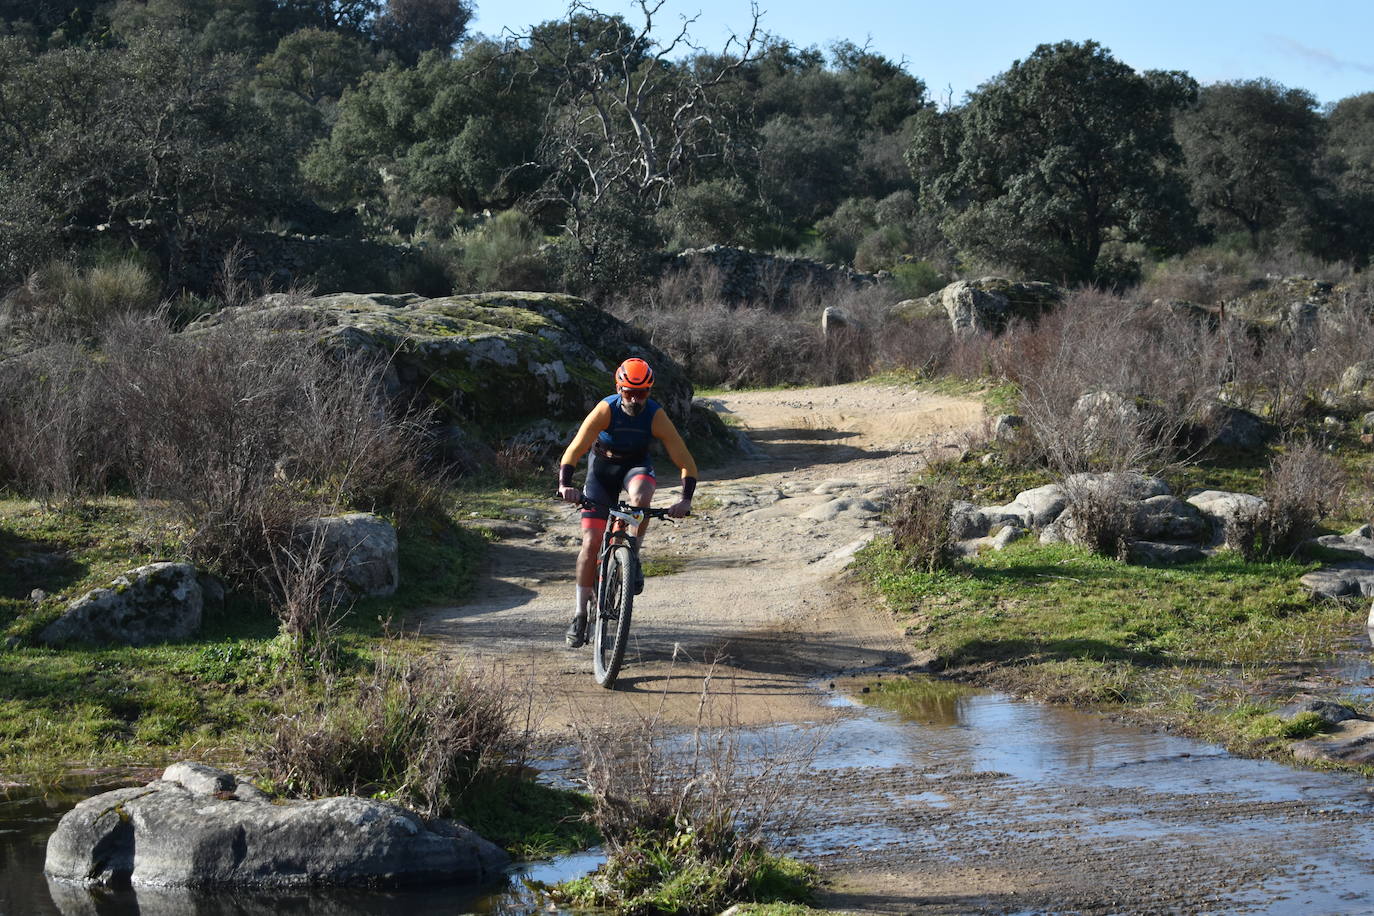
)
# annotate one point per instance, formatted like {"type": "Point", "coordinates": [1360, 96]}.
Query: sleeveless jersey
{"type": "Point", "coordinates": [627, 435]}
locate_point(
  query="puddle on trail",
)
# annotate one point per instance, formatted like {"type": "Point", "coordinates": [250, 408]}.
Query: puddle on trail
{"type": "Point", "coordinates": [949, 775]}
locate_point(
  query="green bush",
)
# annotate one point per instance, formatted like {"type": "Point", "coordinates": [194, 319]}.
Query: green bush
{"type": "Point", "coordinates": [504, 252]}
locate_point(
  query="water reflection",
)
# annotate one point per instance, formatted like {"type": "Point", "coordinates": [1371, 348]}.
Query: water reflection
{"type": "Point", "coordinates": [27, 820]}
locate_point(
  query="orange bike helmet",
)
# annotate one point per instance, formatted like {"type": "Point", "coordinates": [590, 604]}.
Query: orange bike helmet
{"type": "Point", "coordinates": [634, 373]}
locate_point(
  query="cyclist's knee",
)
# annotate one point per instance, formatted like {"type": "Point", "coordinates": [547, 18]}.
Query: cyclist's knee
{"type": "Point", "coordinates": [641, 488]}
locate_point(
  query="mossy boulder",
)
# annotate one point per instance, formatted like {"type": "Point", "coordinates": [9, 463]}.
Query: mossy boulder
{"type": "Point", "coordinates": [1286, 303]}
{"type": "Point", "coordinates": [498, 365]}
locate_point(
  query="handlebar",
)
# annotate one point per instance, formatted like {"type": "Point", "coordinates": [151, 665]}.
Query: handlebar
{"type": "Point", "coordinates": [623, 508]}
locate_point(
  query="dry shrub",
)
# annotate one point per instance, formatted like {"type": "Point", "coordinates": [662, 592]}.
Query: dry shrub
{"type": "Point", "coordinates": [776, 341]}
{"type": "Point", "coordinates": [305, 591]}
{"type": "Point", "coordinates": [920, 522]}
{"type": "Point", "coordinates": [239, 433]}
{"type": "Point", "coordinates": [687, 818]}
{"type": "Point", "coordinates": [1108, 388]}
{"type": "Point", "coordinates": [426, 735]}
{"type": "Point", "coordinates": [1102, 508]}
{"type": "Point", "coordinates": [54, 432]}
{"type": "Point", "coordinates": [1205, 276]}
{"type": "Point", "coordinates": [62, 302]}
{"type": "Point", "coordinates": [1304, 484]}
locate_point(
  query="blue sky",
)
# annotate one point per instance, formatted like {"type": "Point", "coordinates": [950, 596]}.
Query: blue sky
{"type": "Point", "coordinates": [1323, 46]}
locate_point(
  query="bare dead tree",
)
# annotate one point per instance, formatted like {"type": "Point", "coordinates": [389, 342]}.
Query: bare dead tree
{"type": "Point", "coordinates": [625, 116]}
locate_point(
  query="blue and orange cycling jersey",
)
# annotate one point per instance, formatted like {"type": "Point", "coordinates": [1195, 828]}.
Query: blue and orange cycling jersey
{"type": "Point", "coordinates": [627, 436]}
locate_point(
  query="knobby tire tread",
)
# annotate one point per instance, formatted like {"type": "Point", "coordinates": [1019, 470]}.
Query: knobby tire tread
{"type": "Point", "coordinates": [613, 632]}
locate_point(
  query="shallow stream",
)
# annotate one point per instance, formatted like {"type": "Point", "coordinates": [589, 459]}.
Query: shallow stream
{"type": "Point", "coordinates": [1004, 796]}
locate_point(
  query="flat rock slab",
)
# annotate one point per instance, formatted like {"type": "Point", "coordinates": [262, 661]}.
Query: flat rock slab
{"type": "Point", "coordinates": [1342, 580]}
{"type": "Point", "coordinates": [1354, 544]}
{"type": "Point", "coordinates": [200, 827]}
{"type": "Point", "coordinates": [847, 506]}
{"type": "Point", "coordinates": [1352, 741]}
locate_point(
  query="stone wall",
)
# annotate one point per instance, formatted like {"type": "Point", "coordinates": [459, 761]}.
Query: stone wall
{"type": "Point", "coordinates": [759, 277]}
{"type": "Point", "coordinates": [275, 261]}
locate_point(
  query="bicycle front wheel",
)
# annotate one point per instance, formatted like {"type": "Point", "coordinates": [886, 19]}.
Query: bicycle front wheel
{"type": "Point", "coordinates": [617, 595]}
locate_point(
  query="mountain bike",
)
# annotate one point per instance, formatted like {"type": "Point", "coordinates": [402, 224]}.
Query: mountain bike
{"type": "Point", "coordinates": [618, 570]}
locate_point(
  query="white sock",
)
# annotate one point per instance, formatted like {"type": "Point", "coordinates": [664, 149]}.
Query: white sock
{"type": "Point", "coordinates": [584, 599]}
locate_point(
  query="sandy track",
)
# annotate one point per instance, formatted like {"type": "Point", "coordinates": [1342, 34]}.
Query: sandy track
{"type": "Point", "coordinates": [756, 607]}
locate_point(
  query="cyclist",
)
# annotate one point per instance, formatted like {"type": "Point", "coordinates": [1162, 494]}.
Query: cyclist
{"type": "Point", "coordinates": [618, 432]}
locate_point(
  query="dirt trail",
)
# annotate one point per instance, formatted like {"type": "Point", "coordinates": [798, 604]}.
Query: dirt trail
{"type": "Point", "coordinates": [1018, 809]}
{"type": "Point", "coordinates": [755, 606]}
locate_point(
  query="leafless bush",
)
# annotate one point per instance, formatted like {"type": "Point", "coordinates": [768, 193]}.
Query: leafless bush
{"type": "Point", "coordinates": [923, 346]}
{"type": "Point", "coordinates": [1304, 483]}
{"type": "Point", "coordinates": [723, 344]}
{"type": "Point", "coordinates": [1206, 276]}
{"type": "Point", "coordinates": [519, 457]}
{"type": "Point", "coordinates": [707, 795]}
{"type": "Point", "coordinates": [235, 426]}
{"type": "Point", "coordinates": [425, 734]}
{"type": "Point", "coordinates": [920, 522]}
{"type": "Point", "coordinates": [1112, 388]}
{"type": "Point", "coordinates": [1102, 509]}
{"type": "Point", "coordinates": [54, 437]}
{"type": "Point", "coordinates": [303, 590]}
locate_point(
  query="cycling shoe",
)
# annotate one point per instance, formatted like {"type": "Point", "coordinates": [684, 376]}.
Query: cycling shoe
{"type": "Point", "coordinates": [576, 637]}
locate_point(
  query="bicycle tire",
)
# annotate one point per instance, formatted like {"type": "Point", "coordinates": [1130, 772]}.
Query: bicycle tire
{"type": "Point", "coordinates": [612, 630]}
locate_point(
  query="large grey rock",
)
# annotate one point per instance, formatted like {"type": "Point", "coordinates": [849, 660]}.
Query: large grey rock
{"type": "Point", "coordinates": [1131, 485]}
{"type": "Point", "coordinates": [1332, 713]}
{"type": "Point", "coordinates": [1225, 509]}
{"type": "Point", "coordinates": [1236, 428]}
{"type": "Point", "coordinates": [496, 364]}
{"type": "Point", "coordinates": [989, 303]}
{"type": "Point", "coordinates": [844, 507]}
{"type": "Point", "coordinates": [1159, 553]}
{"type": "Point", "coordinates": [1105, 409]}
{"type": "Point", "coordinates": [1007, 426]}
{"type": "Point", "coordinates": [1358, 545]}
{"type": "Point", "coordinates": [160, 602]}
{"type": "Point", "coordinates": [1034, 508]}
{"type": "Point", "coordinates": [967, 521]}
{"type": "Point", "coordinates": [834, 319]}
{"type": "Point", "coordinates": [1357, 382]}
{"type": "Point", "coordinates": [1007, 536]}
{"type": "Point", "coordinates": [184, 831]}
{"type": "Point", "coordinates": [360, 552]}
{"type": "Point", "coordinates": [1168, 518]}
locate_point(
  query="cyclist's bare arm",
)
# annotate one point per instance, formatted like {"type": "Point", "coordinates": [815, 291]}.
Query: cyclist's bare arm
{"type": "Point", "coordinates": [598, 420]}
{"type": "Point", "coordinates": [664, 430]}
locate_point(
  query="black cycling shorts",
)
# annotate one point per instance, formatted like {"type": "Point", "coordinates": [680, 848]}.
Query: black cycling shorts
{"type": "Point", "coordinates": [605, 480]}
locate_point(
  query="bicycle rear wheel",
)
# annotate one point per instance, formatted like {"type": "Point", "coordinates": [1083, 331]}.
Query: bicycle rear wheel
{"type": "Point", "coordinates": [617, 595]}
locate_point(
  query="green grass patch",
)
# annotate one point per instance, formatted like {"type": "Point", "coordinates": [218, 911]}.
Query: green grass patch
{"type": "Point", "coordinates": [532, 820]}
{"type": "Point", "coordinates": [998, 396]}
{"type": "Point", "coordinates": [1195, 644]}
{"type": "Point", "coordinates": [1035, 603]}
{"type": "Point", "coordinates": [672, 878]}
{"type": "Point", "coordinates": [664, 564]}
{"type": "Point", "coordinates": [120, 705]}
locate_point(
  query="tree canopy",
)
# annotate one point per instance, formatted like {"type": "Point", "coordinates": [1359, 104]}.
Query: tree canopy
{"type": "Point", "coordinates": [1046, 162]}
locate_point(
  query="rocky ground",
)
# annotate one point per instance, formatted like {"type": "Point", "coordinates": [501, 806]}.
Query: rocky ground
{"type": "Point", "coordinates": [761, 618]}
